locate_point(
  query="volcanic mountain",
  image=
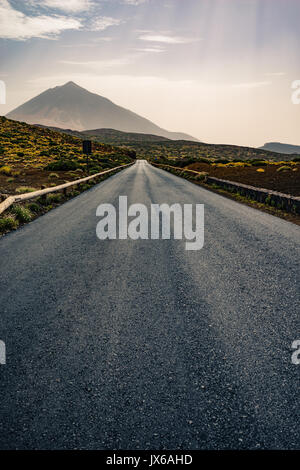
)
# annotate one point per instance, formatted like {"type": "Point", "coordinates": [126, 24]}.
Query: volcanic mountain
{"type": "Point", "coordinates": [72, 107]}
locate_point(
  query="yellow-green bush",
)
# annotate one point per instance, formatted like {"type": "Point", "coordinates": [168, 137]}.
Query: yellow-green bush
{"type": "Point", "coordinates": [6, 170]}
{"type": "Point", "coordinates": [22, 214]}
{"type": "Point", "coordinates": [8, 223]}
{"type": "Point", "coordinates": [284, 168]}
{"type": "Point", "coordinates": [25, 189]}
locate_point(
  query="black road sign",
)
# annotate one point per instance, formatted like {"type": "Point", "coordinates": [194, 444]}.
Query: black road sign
{"type": "Point", "coordinates": [87, 147]}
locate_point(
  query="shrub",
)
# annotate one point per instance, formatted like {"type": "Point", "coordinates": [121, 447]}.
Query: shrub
{"type": "Point", "coordinates": [6, 170]}
{"type": "Point", "coordinates": [238, 164]}
{"type": "Point", "coordinates": [85, 186]}
{"type": "Point", "coordinates": [260, 170]}
{"type": "Point", "coordinates": [94, 171]}
{"type": "Point", "coordinates": [258, 162]}
{"type": "Point", "coordinates": [268, 199]}
{"type": "Point", "coordinates": [132, 154]}
{"type": "Point", "coordinates": [52, 197]}
{"type": "Point", "coordinates": [95, 168]}
{"type": "Point", "coordinates": [222, 161]}
{"type": "Point", "coordinates": [8, 223]}
{"type": "Point", "coordinates": [202, 176]}
{"type": "Point", "coordinates": [62, 165]}
{"type": "Point", "coordinates": [10, 180]}
{"type": "Point", "coordinates": [34, 207]}
{"type": "Point", "coordinates": [25, 189]}
{"type": "Point", "coordinates": [284, 168]}
{"type": "Point", "coordinates": [22, 214]}
{"type": "Point", "coordinates": [42, 200]}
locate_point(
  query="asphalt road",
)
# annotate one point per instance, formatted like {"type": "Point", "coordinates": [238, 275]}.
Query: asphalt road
{"type": "Point", "coordinates": [123, 344]}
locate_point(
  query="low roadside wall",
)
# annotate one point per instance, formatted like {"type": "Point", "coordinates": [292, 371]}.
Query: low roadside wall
{"type": "Point", "coordinates": [62, 187]}
{"type": "Point", "coordinates": [273, 198]}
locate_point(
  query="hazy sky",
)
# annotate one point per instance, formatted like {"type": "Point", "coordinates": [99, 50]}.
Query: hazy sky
{"type": "Point", "coordinates": [220, 70]}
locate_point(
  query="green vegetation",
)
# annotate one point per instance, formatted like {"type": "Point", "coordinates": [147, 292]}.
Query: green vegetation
{"type": "Point", "coordinates": [28, 146]}
{"type": "Point", "coordinates": [202, 176]}
{"type": "Point", "coordinates": [22, 214]}
{"type": "Point", "coordinates": [284, 168]}
{"type": "Point", "coordinates": [34, 207]}
{"type": "Point", "coordinates": [258, 162]}
{"type": "Point", "coordinates": [62, 165]}
{"type": "Point", "coordinates": [25, 189]}
{"type": "Point", "coordinates": [175, 151]}
{"type": "Point", "coordinates": [6, 170]}
{"type": "Point", "coordinates": [54, 197]}
{"type": "Point", "coordinates": [8, 223]}
{"type": "Point", "coordinates": [160, 149]}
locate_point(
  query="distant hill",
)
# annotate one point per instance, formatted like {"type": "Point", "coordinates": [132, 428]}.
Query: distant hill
{"type": "Point", "coordinates": [72, 107]}
{"type": "Point", "coordinates": [281, 148]}
{"type": "Point", "coordinates": [180, 150]}
{"type": "Point", "coordinates": [110, 136]}
{"type": "Point", "coordinates": [151, 147]}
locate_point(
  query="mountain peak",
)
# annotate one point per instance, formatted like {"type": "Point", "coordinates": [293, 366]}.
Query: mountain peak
{"type": "Point", "coordinates": [71, 106]}
{"type": "Point", "coordinates": [71, 84]}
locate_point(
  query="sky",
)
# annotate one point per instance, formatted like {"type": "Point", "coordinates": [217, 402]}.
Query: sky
{"type": "Point", "coordinates": [220, 70]}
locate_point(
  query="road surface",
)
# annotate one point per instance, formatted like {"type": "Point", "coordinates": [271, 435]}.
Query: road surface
{"type": "Point", "coordinates": [123, 344]}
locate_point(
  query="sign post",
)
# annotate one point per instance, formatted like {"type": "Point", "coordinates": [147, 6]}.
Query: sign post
{"type": "Point", "coordinates": [87, 150]}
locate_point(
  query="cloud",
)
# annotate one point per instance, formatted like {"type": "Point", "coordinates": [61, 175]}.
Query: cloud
{"type": "Point", "coordinates": [72, 6]}
{"type": "Point", "coordinates": [98, 65]}
{"type": "Point", "coordinates": [102, 38]}
{"type": "Point", "coordinates": [104, 22]}
{"type": "Point", "coordinates": [16, 25]}
{"type": "Point", "coordinates": [150, 49]}
{"type": "Point", "coordinates": [275, 74]}
{"type": "Point", "coordinates": [166, 39]}
{"type": "Point", "coordinates": [83, 44]}
{"type": "Point", "coordinates": [251, 85]}
{"type": "Point", "coordinates": [134, 2]}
